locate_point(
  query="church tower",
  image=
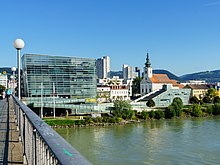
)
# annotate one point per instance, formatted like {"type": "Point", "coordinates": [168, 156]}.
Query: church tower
{"type": "Point", "coordinates": [148, 69]}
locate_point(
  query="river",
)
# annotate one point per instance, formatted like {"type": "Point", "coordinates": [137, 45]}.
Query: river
{"type": "Point", "coordinates": [158, 142]}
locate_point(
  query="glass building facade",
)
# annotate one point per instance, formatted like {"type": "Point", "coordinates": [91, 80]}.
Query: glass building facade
{"type": "Point", "coordinates": [66, 77]}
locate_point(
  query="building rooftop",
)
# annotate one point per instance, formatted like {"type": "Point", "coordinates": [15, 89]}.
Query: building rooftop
{"type": "Point", "coordinates": [196, 86]}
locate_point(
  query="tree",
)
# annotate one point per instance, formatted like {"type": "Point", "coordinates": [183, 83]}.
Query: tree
{"type": "Point", "coordinates": [194, 100]}
{"type": "Point", "coordinates": [178, 105]}
{"type": "Point", "coordinates": [2, 88]}
{"type": "Point", "coordinates": [196, 110]}
{"type": "Point", "coordinates": [151, 114]}
{"type": "Point", "coordinates": [150, 103]}
{"type": "Point", "coordinates": [175, 108]}
{"type": "Point", "coordinates": [211, 94]}
{"type": "Point", "coordinates": [123, 109]}
{"type": "Point", "coordinates": [216, 100]}
{"type": "Point", "coordinates": [136, 86]}
{"type": "Point", "coordinates": [170, 111]}
{"type": "Point", "coordinates": [179, 102]}
{"type": "Point", "coordinates": [216, 109]}
{"type": "Point", "coordinates": [207, 99]}
{"type": "Point", "coordinates": [159, 114]}
{"type": "Point", "coordinates": [144, 115]}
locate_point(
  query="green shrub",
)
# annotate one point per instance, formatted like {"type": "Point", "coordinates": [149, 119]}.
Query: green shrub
{"type": "Point", "coordinates": [118, 119]}
{"type": "Point", "coordinates": [170, 111]}
{"type": "Point", "coordinates": [144, 115]}
{"type": "Point", "coordinates": [150, 103]}
{"type": "Point", "coordinates": [112, 120]}
{"type": "Point", "coordinates": [216, 109]}
{"type": "Point", "coordinates": [194, 100]}
{"type": "Point", "coordinates": [159, 114]}
{"type": "Point", "coordinates": [179, 102]}
{"type": "Point", "coordinates": [216, 100]}
{"type": "Point", "coordinates": [151, 114]}
{"type": "Point", "coordinates": [207, 99]}
{"type": "Point", "coordinates": [196, 110]}
{"type": "Point", "coordinates": [59, 122]}
{"type": "Point", "coordinates": [209, 109]}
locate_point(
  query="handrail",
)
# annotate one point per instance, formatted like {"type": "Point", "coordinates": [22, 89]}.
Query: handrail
{"type": "Point", "coordinates": [41, 144]}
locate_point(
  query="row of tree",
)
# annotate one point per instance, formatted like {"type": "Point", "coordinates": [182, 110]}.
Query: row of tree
{"type": "Point", "coordinates": [211, 97]}
{"type": "Point", "coordinates": [123, 110]}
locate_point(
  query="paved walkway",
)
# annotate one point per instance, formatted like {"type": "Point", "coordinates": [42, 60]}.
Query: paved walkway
{"type": "Point", "coordinates": [3, 130]}
{"type": "Point", "coordinates": [10, 146]}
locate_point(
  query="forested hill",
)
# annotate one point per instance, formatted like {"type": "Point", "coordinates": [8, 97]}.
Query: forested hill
{"type": "Point", "coordinates": [169, 74]}
{"type": "Point", "coordinates": [208, 76]}
{"type": "Point", "coordinates": [7, 70]}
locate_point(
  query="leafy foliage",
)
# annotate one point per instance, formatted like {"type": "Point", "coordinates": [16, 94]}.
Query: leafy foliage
{"type": "Point", "coordinates": [2, 88]}
{"type": "Point", "coordinates": [175, 109]}
{"type": "Point", "coordinates": [159, 114]}
{"type": "Point", "coordinates": [194, 100]}
{"type": "Point", "coordinates": [152, 114]}
{"type": "Point", "coordinates": [170, 111]}
{"type": "Point", "coordinates": [179, 102]}
{"type": "Point", "coordinates": [211, 93]}
{"type": "Point", "coordinates": [63, 122]}
{"type": "Point", "coordinates": [196, 110]}
{"type": "Point", "coordinates": [144, 115]}
{"type": "Point", "coordinates": [207, 99]}
{"type": "Point", "coordinates": [150, 103]}
{"type": "Point", "coordinates": [216, 109]}
{"type": "Point", "coordinates": [123, 109]}
{"type": "Point", "coordinates": [216, 100]}
{"type": "Point", "coordinates": [136, 86]}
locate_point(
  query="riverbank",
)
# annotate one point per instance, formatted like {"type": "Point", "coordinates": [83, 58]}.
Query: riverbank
{"type": "Point", "coordinates": [88, 122]}
{"type": "Point", "coordinates": [170, 112]}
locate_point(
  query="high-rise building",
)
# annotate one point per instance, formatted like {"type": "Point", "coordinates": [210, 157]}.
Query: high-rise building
{"type": "Point", "coordinates": [127, 72]}
{"type": "Point", "coordinates": [103, 67]}
{"type": "Point", "coordinates": [66, 77]}
{"type": "Point", "coordinates": [138, 71]}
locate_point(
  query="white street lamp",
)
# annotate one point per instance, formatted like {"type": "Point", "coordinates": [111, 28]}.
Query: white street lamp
{"type": "Point", "coordinates": [19, 44]}
{"type": "Point", "coordinates": [13, 69]}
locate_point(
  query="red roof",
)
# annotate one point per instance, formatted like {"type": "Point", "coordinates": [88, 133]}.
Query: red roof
{"type": "Point", "coordinates": [163, 78]}
{"type": "Point", "coordinates": [160, 78]}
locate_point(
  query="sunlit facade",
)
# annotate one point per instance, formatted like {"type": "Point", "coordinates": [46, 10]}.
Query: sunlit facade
{"type": "Point", "coordinates": [65, 77]}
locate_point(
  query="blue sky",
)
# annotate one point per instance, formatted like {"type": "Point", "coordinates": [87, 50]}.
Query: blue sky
{"type": "Point", "coordinates": [182, 36]}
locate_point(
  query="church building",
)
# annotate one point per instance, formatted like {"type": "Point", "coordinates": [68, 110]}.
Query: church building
{"type": "Point", "coordinates": [153, 82]}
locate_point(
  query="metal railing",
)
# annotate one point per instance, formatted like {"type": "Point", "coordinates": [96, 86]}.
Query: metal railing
{"type": "Point", "coordinates": [41, 144]}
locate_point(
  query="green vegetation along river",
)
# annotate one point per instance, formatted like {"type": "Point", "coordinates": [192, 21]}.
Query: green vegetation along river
{"type": "Point", "coordinates": [157, 142]}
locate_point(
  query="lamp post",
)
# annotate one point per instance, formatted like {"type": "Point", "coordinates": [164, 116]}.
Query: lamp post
{"type": "Point", "coordinates": [12, 84]}
{"type": "Point", "coordinates": [19, 44]}
{"type": "Point", "coordinates": [13, 69]}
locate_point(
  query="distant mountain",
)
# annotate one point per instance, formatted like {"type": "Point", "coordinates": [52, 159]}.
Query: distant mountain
{"type": "Point", "coordinates": [157, 71]}
{"type": "Point", "coordinates": [169, 74]}
{"type": "Point", "coordinates": [7, 70]}
{"type": "Point", "coordinates": [116, 73]}
{"type": "Point", "coordinates": [208, 76]}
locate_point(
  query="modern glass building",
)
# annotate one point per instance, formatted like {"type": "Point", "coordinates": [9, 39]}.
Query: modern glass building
{"type": "Point", "coordinates": [64, 77]}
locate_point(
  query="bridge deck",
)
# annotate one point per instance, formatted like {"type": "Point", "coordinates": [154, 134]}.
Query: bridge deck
{"type": "Point", "coordinates": [10, 145]}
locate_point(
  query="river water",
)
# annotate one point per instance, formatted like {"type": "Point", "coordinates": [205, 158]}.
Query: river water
{"type": "Point", "coordinates": [163, 142]}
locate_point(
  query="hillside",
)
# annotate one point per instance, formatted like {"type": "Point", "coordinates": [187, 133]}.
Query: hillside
{"type": "Point", "coordinates": [169, 74]}
{"type": "Point", "coordinates": [208, 76]}
{"type": "Point", "coordinates": [156, 71]}
{"type": "Point", "coordinates": [7, 70]}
